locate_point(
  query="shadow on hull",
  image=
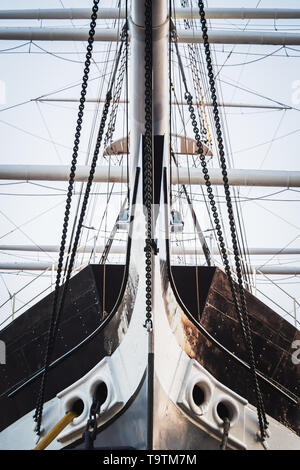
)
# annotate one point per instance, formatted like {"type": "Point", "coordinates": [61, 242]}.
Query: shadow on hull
{"type": "Point", "coordinates": [213, 336]}
{"type": "Point", "coordinates": [86, 334]}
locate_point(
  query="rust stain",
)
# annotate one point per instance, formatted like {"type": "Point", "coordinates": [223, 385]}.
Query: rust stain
{"type": "Point", "coordinates": [270, 341]}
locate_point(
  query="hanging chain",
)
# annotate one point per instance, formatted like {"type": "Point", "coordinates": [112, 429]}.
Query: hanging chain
{"type": "Point", "coordinates": [90, 432]}
{"type": "Point", "coordinates": [54, 325]}
{"type": "Point", "coordinates": [57, 309]}
{"type": "Point", "coordinates": [241, 309]}
{"type": "Point", "coordinates": [40, 399]}
{"type": "Point", "coordinates": [226, 427]}
{"type": "Point", "coordinates": [38, 415]}
{"type": "Point", "coordinates": [147, 162]}
{"type": "Point", "coordinates": [260, 405]}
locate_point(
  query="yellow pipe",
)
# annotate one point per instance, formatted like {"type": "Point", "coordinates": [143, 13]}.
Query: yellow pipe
{"type": "Point", "coordinates": [51, 435]}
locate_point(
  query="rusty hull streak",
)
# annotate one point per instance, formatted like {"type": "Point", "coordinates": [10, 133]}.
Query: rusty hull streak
{"type": "Point", "coordinates": [220, 364]}
{"type": "Point", "coordinates": [272, 335]}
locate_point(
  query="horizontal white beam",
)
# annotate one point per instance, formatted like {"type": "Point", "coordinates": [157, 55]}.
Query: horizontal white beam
{"type": "Point", "coordinates": [180, 13]}
{"type": "Point", "coordinates": [275, 178]}
{"type": "Point", "coordinates": [239, 177]}
{"type": "Point", "coordinates": [57, 34]}
{"type": "Point", "coordinates": [61, 14]}
{"type": "Point", "coordinates": [30, 266]}
{"type": "Point", "coordinates": [222, 105]}
{"type": "Point", "coordinates": [241, 37]}
{"type": "Point", "coordinates": [115, 249]}
{"type": "Point", "coordinates": [184, 36]}
{"type": "Point", "coordinates": [120, 249]}
{"type": "Point", "coordinates": [60, 173]}
{"type": "Point", "coordinates": [42, 266]}
{"type": "Point", "coordinates": [239, 13]}
{"type": "Point", "coordinates": [280, 270]}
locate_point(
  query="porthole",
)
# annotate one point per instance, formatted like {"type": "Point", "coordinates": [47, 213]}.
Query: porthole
{"type": "Point", "coordinates": [226, 408]}
{"type": "Point", "coordinates": [101, 391]}
{"type": "Point", "coordinates": [199, 394]}
{"type": "Point", "coordinates": [77, 402]}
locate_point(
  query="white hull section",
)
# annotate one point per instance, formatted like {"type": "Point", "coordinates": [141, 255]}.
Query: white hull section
{"type": "Point", "coordinates": [122, 372]}
{"type": "Point", "coordinates": [177, 374]}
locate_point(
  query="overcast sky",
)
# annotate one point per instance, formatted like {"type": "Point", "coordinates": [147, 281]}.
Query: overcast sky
{"type": "Point", "coordinates": [43, 133]}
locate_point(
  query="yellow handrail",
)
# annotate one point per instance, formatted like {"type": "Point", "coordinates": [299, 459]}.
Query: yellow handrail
{"type": "Point", "coordinates": [51, 435]}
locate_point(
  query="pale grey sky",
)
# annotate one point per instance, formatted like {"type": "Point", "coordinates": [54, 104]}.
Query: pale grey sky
{"type": "Point", "coordinates": [27, 132]}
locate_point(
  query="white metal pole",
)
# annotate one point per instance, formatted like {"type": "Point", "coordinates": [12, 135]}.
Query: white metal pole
{"type": "Point", "coordinates": [238, 13]}
{"type": "Point", "coordinates": [180, 13]}
{"type": "Point", "coordinates": [241, 37]}
{"type": "Point", "coordinates": [137, 80]}
{"type": "Point", "coordinates": [13, 307]}
{"type": "Point", "coordinates": [160, 25]}
{"type": "Point", "coordinates": [119, 249]}
{"type": "Point", "coordinates": [60, 14]}
{"type": "Point", "coordinates": [237, 177]}
{"type": "Point", "coordinates": [42, 266]}
{"type": "Point", "coordinates": [160, 98]}
{"type": "Point", "coordinates": [57, 34]}
{"type": "Point", "coordinates": [184, 36]}
{"type": "Point", "coordinates": [295, 311]}
{"type": "Point", "coordinates": [181, 103]}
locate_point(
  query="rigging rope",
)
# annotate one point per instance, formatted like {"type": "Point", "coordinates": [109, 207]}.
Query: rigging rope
{"type": "Point", "coordinates": [203, 121]}
{"type": "Point", "coordinates": [199, 232]}
{"type": "Point", "coordinates": [116, 97]}
{"type": "Point", "coordinates": [95, 118]}
{"type": "Point", "coordinates": [196, 63]}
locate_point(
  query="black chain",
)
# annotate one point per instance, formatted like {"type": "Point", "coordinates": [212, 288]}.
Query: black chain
{"type": "Point", "coordinates": [92, 170]}
{"type": "Point", "coordinates": [40, 399]}
{"type": "Point", "coordinates": [244, 313]}
{"type": "Point", "coordinates": [241, 309]}
{"type": "Point", "coordinates": [58, 310]}
{"type": "Point", "coordinates": [226, 425]}
{"type": "Point", "coordinates": [90, 432]}
{"type": "Point", "coordinates": [147, 161]}
{"type": "Point", "coordinates": [73, 254]}
{"type": "Point", "coordinates": [74, 248]}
